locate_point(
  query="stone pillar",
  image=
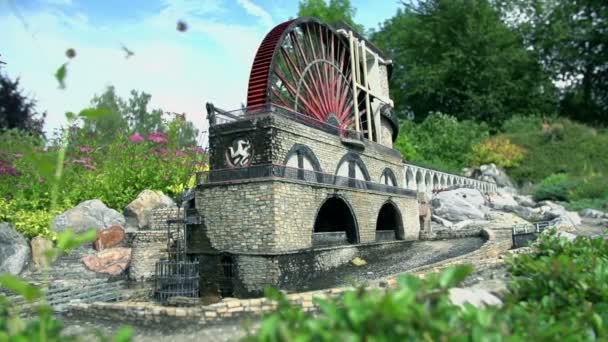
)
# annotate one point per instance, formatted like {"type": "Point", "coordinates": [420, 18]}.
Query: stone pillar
{"type": "Point", "coordinates": [424, 209]}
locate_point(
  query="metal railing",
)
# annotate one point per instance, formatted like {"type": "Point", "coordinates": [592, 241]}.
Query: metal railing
{"type": "Point", "coordinates": [218, 116]}
{"type": "Point", "coordinates": [282, 171]}
{"type": "Point", "coordinates": [176, 278]}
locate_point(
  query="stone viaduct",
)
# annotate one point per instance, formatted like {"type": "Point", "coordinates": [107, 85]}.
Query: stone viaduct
{"type": "Point", "coordinates": [422, 179]}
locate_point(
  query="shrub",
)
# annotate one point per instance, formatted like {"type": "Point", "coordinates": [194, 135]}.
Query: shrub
{"type": "Point", "coordinates": [440, 141]}
{"type": "Point", "coordinates": [559, 292]}
{"type": "Point", "coordinates": [556, 187]}
{"type": "Point", "coordinates": [498, 150]}
{"type": "Point", "coordinates": [558, 146]}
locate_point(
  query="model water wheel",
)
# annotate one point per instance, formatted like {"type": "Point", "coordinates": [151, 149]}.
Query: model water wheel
{"type": "Point", "coordinates": [304, 66]}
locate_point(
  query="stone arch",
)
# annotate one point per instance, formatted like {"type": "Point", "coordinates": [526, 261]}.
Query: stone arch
{"type": "Point", "coordinates": [435, 182]}
{"type": "Point", "coordinates": [410, 181]}
{"type": "Point", "coordinates": [352, 171]}
{"type": "Point", "coordinates": [302, 163]}
{"type": "Point", "coordinates": [389, 220]}
{"type": "Point", "coordinates": [443, 181]}
{"type": "Point", "coordinates": [388, 177]}
{"type": "Point", "coordinates": [419, 180]}
{"type": "Point", "coordinates": [334, 216]}
{"type": "Point", "coordinates": [428, 183]}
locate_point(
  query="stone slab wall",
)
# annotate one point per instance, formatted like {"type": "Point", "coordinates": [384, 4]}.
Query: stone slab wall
{"type": "Point", "coordinates": [160, 217]}
{"type": "Point", "coordinates": [148, 247]}
{"type": "Point", "coordinates": [278, 215]}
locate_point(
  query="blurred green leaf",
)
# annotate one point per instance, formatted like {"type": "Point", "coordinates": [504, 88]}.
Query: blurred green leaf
{"type": "Point", "coordinates": [19, 286]}
{"type": "Point", "coordinates": [94, 113]}
{"type": "Point", "coordinates": [60, 75]}
{"type": "Point", "coordinates": [124, 334]}
{"type": "Point", "coordinates": [454, 275]}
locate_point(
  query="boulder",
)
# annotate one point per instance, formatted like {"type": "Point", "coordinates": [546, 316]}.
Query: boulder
{"type": "Point", "coordinates": [592, 213]}
{"type": "Point", "coordinates": [525, 200]}
{"type": "Point", "coordinates": [113, 261]}
{"type": "Point", "coordinates": [441, 221]}
{"type": "Point", "coordinates": [138, 213]}
{"type": "Point", "coordinates": [526, 213]}
{"type": "Point", "coordinates": [14, 250]}
{"type": "Point", "coordinates": [109, 237]}
{"type": "Point", "coordinates": [39, 247]}
{"type": "Point", "coordinates": [474, 296]}
{"type": "Point", "coordinates": [470, 224]}
{"type": "Point", "coordinates": [490, 172]}
{"type": "Point", "coordinates": [460, 204]}
{"type": "Point", "coordinates": [498, 200]}
{"type": "Point", "coordinates": [92, 214]}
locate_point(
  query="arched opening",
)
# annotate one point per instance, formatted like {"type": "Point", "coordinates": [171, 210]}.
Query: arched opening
{"type": "Point", "coordinates": [409, 180]}
{"type": "Point", "coordinates": [301, 163]}
{"type": "Point", "coordinates": [435, 182]}
{"type": "Point", "coordinates": [388, 224]}
{"type": "Point", "coordinates": [388, 177]}
{"type": "Point", "coordinates": [226, 275]}
{"type": "Point", "coordinates": [352, 172]}
{"type": "Point", "coordinates": [419, 181]}
{"type": "Point", "coordinates": [335, 224]}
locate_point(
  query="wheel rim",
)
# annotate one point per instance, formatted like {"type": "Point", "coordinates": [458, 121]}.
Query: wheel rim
{"type": "Point", "coordinates": [304, 65]}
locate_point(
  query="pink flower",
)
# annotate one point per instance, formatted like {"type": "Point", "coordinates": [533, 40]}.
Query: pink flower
{"type": "Point", "coordinates": [83, 161]}
{"type": "Point", "coordinates": [197, 149]}
{"type": "Point", "coordinates": [85, 149]}
{"type": "Point", "coordinates": [7, 168]}
{"type": "Point", "coordinates": [136, 138]}
{"type": "Point", "coordinates": [158, 137]}
{"type": "Point", "coordinates": [160, 150]}
{"type": "Point", "coordinates": [180, 153]}
{"type": "Point", "coordinates": [89, 166]}
{"type": "Point", "coordinates": [18, 155]}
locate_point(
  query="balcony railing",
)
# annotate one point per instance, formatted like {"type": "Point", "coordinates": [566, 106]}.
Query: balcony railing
{"type": "Point", "coordinates": [282, 171]}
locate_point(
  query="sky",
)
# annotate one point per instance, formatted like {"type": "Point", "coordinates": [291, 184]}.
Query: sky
{"type": "Point", "coordinates": [210, 62]}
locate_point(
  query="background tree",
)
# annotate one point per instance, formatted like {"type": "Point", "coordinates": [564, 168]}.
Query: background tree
{"type": "Point", "coordinates": [16, 110]}
{"type": "Point", "coordinates": [570, 38]}
{"type": "Point", "coordinates": [459, 58]}
{"type": "Point", "coordinates": [333, 12]}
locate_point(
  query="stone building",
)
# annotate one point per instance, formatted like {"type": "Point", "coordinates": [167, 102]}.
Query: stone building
{"type": "Point", "coordinates": [302, 180]}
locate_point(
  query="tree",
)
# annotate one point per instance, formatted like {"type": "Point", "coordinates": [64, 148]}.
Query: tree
{"type": "Point", "coordinates": [459, 58]}
{"type": "Point", "coordinates": [110, 125]}
{"type": "Point", "coordinates": [16, 110]}
{"type": "Point", "coordinates": [570, 37]}
{"type": "Point", "coordinates": [334, 12]}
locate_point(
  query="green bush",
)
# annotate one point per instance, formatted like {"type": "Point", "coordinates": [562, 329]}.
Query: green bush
{"type": "Point", "coordinates": [557, 187]}
{"type": "Point", "coordinates": [440, 141]}
{"type": "Point", "coordinates": [558, 146]}
{"type": "Point", "coordinates": [559, 292]}
{"type": "Point", "coordinates": [498, 150]}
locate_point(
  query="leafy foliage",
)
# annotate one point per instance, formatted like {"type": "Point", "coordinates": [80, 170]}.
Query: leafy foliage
{"type": "Point", "coordinates": [440, 141]}
{"type": "Point", "coordinates": [459, 58]}
{"type": "Point", "coordinates": [569, 37]}
{"type": "Point", "coordinates": [16, 110]}
{"type": "Point", "coordinates": [332, 12]}
{"type": "Point", "coordinates": [557, 146]}
{"type": "Point", "coordinates": [559, 291]}
{"type": "Point", "coordinates": [555, 187]}
{"type": "Point", "coordinates": [498, 150]}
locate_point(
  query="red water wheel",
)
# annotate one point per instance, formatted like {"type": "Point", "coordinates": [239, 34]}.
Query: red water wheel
{"type": "Point", "coordinates": [304, 65]}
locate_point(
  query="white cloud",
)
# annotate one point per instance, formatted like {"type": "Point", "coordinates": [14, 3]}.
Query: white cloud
{"type": "Point", "coordinates": [256, 11]}
{"type": "Point", "coordinates": [182, 71]}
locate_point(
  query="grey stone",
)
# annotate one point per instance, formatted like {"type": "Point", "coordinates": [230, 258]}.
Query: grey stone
{"type": "Point", "coordinates": [498, 200]}
{"type": "Point", "coordinates": [14, 250]}
{"type": "Point", "coordinates": [498, 174]}
{"type": "Point", "coordinates": [460, 204]}
{"type": "Point", "coordinates": [138, 213]}
{"type": "Point", "coordinates": [477, 297]}
{"type": "Point", "coordinates": [39, 247]}
{"type": "Point", "coordinates": [441, 221]}
{"type": "Point", "coordinates": [525, 200]}
{"type": "Point", "coordinates": [91, 214]}
{"type": "Point", "coordinates": [527, 213]}
{"type": "Point", "coordinates": [592, 213]}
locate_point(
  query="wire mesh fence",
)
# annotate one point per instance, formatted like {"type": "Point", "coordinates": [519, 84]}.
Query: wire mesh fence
{"type": "Point", "coordinates": [176, 279]}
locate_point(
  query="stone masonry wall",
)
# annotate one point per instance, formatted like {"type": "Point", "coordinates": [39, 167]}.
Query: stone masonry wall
{"type": "Point", "coordinates": [148, 248]}
{"type": "Point", "coordinates": [160, 217]}
{"type": "Point", "coordinates": [278, 215]}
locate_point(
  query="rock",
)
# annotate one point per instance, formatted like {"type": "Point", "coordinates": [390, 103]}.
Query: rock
{"type": "Point", "coordinates": [441, 221]}
{"type": "Point", "coordinates": [562, 223]}
{"type": "Point", "coordinates": [111, 261]}
{"type": "Point", "coordinates": [498, 200]}
{"type": "Point", "coordinates": [525, 200]}
{"type": "Point", "coordinates": [476, 297]}
{"type": "Point", "coordinates": [526, 213]}
{"type": "Point", "coordinates": [493, 174]}
{"type": "Point", "coordinates": [109, 237]}
{"type": "Point", "coordinates": [460, 204]}
{"type": "Point", "coordinates": [469, 224]}
{"type": "Point", "coordinates": [592, 213]}
{"type": "Point", "coordinates": [14, 250]}
{"type": "Point", "coordinates": [566, 235]}
{"type": "Point", "coordinates": [358, 262]}
{"type": "Point", "coordinates": [497, 287]}
{"type": "Point", "coordinates": [138, 213]}
{"type": "Point", "coordinates": [92, 214]}
{"type": "Point", "coordinates": [39, 247]}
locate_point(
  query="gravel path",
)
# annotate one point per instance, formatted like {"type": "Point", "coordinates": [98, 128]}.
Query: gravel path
{"type": "Point", "coordinates": [416, 254]}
